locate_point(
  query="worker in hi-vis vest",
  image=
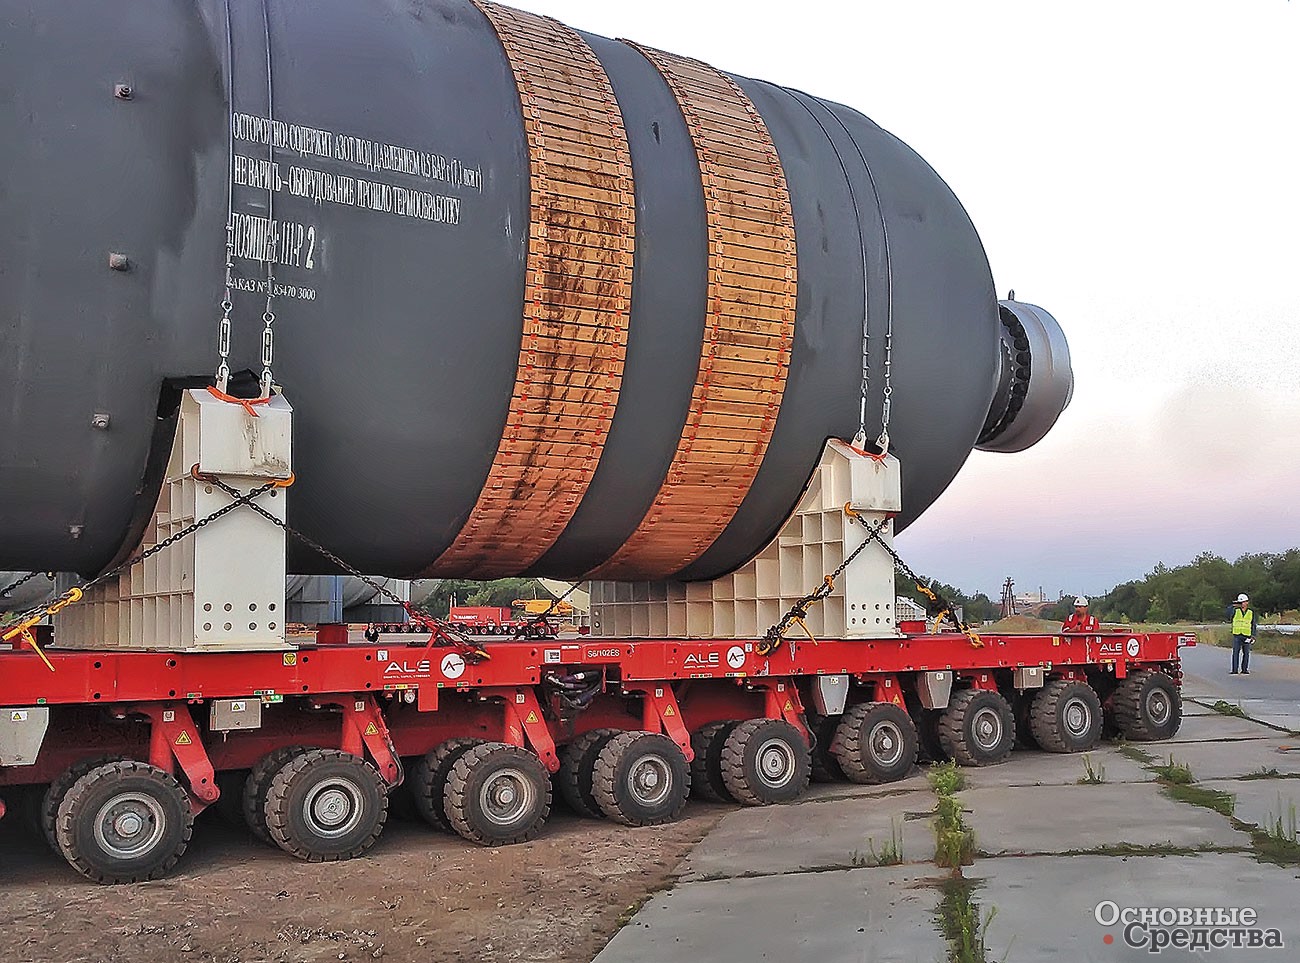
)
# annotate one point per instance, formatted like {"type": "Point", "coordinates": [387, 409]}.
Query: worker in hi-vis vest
{"type": "Point", "coordinates": [1243, 633]}
{"type": "Point", "coordinates": [1080, 620]}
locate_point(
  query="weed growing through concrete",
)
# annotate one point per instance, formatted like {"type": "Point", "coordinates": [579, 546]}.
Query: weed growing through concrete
{"type": "Point", "coordinates": [1223, 803]}
{"type": "Point", "coordinates": [1270, 772]}
{"type": "Point", "coordinates": [1137, 755]}
{"type": "Point", "coordinates": [954, 841]}
{"type": "Point", "coordinates": [891, 853]}
{"type": "Point", "coordinates": [960, 921]}
{"type": "Point", "coordinates": [946, 778]}
{"type": "Point", "coordinates": [1224, 708]}
{"type": "Point", "coordinates": [1174, 773]}
{"type": "Point", "coordinates": [1092, 775]}
{"type": "Point", "coordinates": [1284, 826]}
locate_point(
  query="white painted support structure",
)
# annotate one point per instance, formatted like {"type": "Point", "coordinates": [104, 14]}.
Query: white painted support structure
{"type": "Point", "coordinates": [222, 587]}
{"type": "Point", "coordinates": [812, 543]}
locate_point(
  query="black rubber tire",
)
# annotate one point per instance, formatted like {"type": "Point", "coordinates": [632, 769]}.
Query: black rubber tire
{"type": "Point", "coordinates": [428, 780]}
{"type": "Point", "coordinates": [622, 785]}
{"type": "Point", "coordinates": [745, 757]}
{"type": "Point", "coordinates": [473, 780]}
{"type": "Point", "coordinates": [825, 767]}
{"type": "Point", "coordinates": [578, 770]}
{"type": "Point", "coordinates": [1066, 716]}
{"type": "Point", "coordinates": [978, 728]}
{"type": "Point", "coordinates": [155, 798]}
{"type": "Point", "coordinates": [706, 768]}
{"type": "Point", "coordinates": [295, 824]}
{"type": "Point", "coordinates": [253, 800]}
{"type": "Point", "coordinates": [1148, 707]}
{"type": "Point", "coordinates": [52, 798]}
{"type": "Point", "coordinates": [875, 742]}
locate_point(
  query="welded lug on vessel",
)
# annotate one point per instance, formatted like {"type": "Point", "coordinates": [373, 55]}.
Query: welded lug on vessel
{"type": "Point", "coordinates": [118, 262]}
{"type": "Point", "coordinates": [123, 91]}
{"type": "Point", "coordinates": [100, 421]}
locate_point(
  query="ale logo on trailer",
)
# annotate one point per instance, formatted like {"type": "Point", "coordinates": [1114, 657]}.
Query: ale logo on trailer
{"type": "Point", "coordinates": [1134, 647]}
{"type": "Point", "coordinates": [735, 657]}
{"type": "Point", "coordinates": [453, 666]}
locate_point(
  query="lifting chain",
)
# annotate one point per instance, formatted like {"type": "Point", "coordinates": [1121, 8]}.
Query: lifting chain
{"type": "Point", "coordinates": [441, 632]}
{"type": "Point", "coordinates": [799, 611]}
{"type": "Point", "coordinates": [22, 627]}
{"type": "Point", "coordinates": [23, 581]}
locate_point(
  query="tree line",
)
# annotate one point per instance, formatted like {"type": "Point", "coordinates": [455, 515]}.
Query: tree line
{"type": "Point", "coordinates": [1204, 589]}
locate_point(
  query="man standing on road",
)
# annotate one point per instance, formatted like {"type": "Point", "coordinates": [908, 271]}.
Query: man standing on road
{"type": "Point", "coordinates": [1243, 634]}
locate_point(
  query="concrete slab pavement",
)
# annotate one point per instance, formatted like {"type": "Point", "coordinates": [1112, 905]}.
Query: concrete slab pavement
{"type": "Point", "coordinates": [1062, 819]}
{"type": "Point", "coordinates": [1227, 760]}
{"type": "Point", "coordinates": [1262, 801]}
{"type": "Point", "coordinates": [876, 915]}
{"type": "Point", "coordinates": [1045, 905]}
{"type": "Point", "coordinates": [849, 832]}
{"type": "Point", "coordinates": [1057, 769]}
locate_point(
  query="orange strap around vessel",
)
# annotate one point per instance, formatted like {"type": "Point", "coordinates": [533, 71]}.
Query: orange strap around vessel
{"type": "Point", "coordinates": [577, 299]}
{"type": "Point", "coordinates": [749, 327]}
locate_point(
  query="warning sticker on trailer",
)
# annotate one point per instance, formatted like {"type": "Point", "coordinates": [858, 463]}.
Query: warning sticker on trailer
{"type": "Point", "coordinates": [18, 715]}
{"type": "Point", "coordinates": [372, 730]}
{"type": "Point", "coordinates": [552, 656]}
{"type": "Point", "coordinates": [184, 739]}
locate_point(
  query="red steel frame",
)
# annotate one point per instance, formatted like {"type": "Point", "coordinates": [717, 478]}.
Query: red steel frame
{"type": "Point", "coordinates": [386, 701]}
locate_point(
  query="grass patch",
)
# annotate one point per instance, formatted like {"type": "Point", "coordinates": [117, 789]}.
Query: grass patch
{"type": "Point", "coordinates": [1140, 756]}
{"type": "Point", "coordinates": [1223, 803]}
{"type": "Point", "coordinates": [962, 923]}
{"type": "Point", "coordinates": [954, 840]}
{"type": "Point", "coordinates": [1174, 773]}
{"type": "Point", "coordinates": [1149, 849]}
{"type": "Point", "coordinates": [1092, 775]}
{"type": "Point", "coordinates": [891, 852]}
{"type": "Point", "coordinates": [1225, 708]}
{"type": "Point", "coordinates": [946, 778]}
{"type": "Point", "coordinates": [1270, 772]}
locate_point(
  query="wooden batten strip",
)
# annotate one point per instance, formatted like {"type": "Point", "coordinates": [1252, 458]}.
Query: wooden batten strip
{"type": "Point", "coordinates": [751, 291]}
{"type": "Point", "coordinates": [568, 375]}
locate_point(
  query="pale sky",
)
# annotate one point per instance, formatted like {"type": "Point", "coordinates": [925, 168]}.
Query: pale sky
{"type": "Point", "coordinates": [1133, 167]}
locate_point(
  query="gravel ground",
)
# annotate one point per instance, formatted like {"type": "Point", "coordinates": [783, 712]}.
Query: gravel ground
{"type": "Point", "coordinates": [419, 895]}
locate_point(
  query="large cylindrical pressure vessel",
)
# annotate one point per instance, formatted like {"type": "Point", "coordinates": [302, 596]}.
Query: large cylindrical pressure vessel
{"type": "Point", "coordinates": [543, 302]}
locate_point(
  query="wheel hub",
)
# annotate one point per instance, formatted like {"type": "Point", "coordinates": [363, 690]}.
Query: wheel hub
{"type": "Point", "coordinates": [1158, 707]}
{"type": "Point", "coordinates": [776, 763]}
{"type": "Point", "coordinates": [650, 780]}
{"type": "Point", "coordinates": [129, 825]}
{"type": "Point", "coordinates": [1077, 717]}
{"type": "Point", "coordinates": [506, 796]}
{"type": "Point", "coordinates": [333, 808]}
{"type": "Point", "coordinates": [886, 743]}
{"type": "Point", "coordinates": [986, 729]}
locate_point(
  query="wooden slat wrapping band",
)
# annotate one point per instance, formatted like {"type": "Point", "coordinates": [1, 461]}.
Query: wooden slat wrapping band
{"type": "Point", "coordinates": [577, 299]}
{"type": "Point", "coordinates": [749, 329]}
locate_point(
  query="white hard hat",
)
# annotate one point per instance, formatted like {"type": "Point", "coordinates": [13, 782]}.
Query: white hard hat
{"type": "Point", "coordinates": [1243, 597]}
{"type": "Point", "coordinates": [1080, 600]}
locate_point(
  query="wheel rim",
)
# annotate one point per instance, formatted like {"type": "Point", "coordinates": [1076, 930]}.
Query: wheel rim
{"type": "Point", "coordinates": [506, 796]}
{"type": "Point", "coordinates": [986, 728]}
{"type": "Point", "coordinates": [1077, 717]}
{"type": "Point", "coordinates": [333, 808]}
{"type": "Point", "coordinates": [1158, 706]}
{"type": "Point", "coordinates": [129, 825]}
{"type": "Point", "coordinates": [886, 743]}
{"type": "Point", "coordinates": [650, 780]}
{"type": "Point", "coordinates": [775, 762]}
